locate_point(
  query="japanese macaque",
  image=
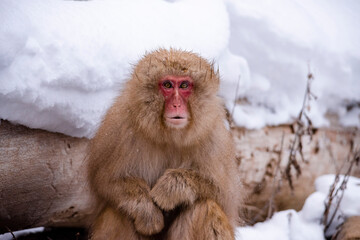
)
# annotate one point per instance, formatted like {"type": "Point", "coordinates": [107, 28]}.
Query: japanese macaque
{"type": "Point", "coordinates": [162, 165]}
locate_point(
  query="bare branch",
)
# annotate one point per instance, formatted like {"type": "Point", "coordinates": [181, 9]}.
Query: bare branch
{"type": "Point", "coordinates": [276, 187]}
{"type": "Point", "coordinates": [337, 194]}
{"type": "Point", "coordinates": [302, 126]}
{"type": "Point", "coordinates": [12, 234]}
{"type": "Point", "coordinates": [235, 99]}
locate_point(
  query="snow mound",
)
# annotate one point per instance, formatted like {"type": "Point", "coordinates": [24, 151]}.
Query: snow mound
{"type": "Point", "coordinates": [63, 62]}
{"type": "Point", "coordinates": [60, 72]}
{"type": "Point", "coordinates": [306, 224]}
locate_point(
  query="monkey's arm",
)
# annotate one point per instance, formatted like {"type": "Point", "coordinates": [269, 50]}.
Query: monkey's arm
{"type": "Point", "coordinates": [132, 196]}
{"type": "Point", "coordinates": [182, 186]}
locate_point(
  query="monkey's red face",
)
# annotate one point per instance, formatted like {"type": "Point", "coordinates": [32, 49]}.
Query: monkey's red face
{"type": "Point", "coordinates": [176, 91]}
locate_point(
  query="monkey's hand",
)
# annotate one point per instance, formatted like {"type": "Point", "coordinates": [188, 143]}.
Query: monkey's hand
{"type": "Point", "coordinates": [181, 186]}
{"type": "Point", "coordinates": [132, 196]}
{"type": "Point", "coordinates": [148, 219]}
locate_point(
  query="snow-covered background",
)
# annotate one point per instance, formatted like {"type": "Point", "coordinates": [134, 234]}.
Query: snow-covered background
{"type": "Point", "coordinates": [63, 62]}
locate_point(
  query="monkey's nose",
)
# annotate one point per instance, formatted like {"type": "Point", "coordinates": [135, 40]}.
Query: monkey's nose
{"type": "Point", "coordinates": [176, 105]}
{"type": "Point", "coordinates": [177, 102]}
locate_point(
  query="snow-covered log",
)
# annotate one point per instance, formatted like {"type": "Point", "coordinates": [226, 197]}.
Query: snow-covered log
{"type": "Point", "coordinates": [43, 177]}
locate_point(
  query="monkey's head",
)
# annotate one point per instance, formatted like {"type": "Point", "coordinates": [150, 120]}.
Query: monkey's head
{"type": "Point", "coordinates": [172, 96]}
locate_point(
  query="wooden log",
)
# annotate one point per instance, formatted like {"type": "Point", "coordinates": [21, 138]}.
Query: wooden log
{"type": "Point", "coordinates": [43, 174]}
{"type": "Point", "coordinates": [42, 179]}
{"type": "Point", "coordinates": [350, 229]}
{"type": "Point", "coordinates": [258, 154]}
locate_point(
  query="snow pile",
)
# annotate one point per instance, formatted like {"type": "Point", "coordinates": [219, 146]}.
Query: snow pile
{"type": "Point", "coordinates": [63, 62]}
{"type": "Point", "coordinates": [306, 224]}
{"type": "Point", "coordinates": [280, 42]}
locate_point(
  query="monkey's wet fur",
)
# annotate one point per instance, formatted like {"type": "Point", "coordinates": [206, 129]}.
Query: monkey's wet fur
{"type": "Point", "coordinates": [162, 164]}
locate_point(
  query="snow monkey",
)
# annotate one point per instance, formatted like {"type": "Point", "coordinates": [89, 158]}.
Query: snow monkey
{"type": "Point", "coordinates": [162, 165]}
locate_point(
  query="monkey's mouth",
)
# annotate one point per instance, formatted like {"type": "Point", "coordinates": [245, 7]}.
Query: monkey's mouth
{"type": "Point", "coordinates": [176, 121]}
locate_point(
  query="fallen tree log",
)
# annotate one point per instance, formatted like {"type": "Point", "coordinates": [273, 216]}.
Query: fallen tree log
{"type": "Point", "coordinates": [43, 174]}
{"type": "Point", "coordinates": [42, 179]}
{"type": "Point", "coordinates": [349, 230]}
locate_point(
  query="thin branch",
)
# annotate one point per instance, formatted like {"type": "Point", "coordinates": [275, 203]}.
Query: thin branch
{"type": "Point", "coordinates": [235, 99]}
{"type": "Point", "coordinates": [301, 129]}
{"type": "Point", "coordinates": [276, 187]}
{"type": "Point", "coordinates": [338, 194]}
{"type": "Point", "coordinates": [12, 234]}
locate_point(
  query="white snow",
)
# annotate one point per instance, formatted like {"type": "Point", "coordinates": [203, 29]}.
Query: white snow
{"type": "Point", "coordinates": [283, 225]}
{"type": "Point", "coordinates": [306, 224]}
{"type": "Point", "coordinates": [279, 40]}
{"type": "Point", "coordinates": [8, 236]}
{"type": "Point", "coordinates": [63, 62]}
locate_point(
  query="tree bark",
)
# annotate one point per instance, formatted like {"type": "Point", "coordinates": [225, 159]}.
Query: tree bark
{"type": "Point", "coordinates": [349, 230]}
{"type": "Point", "coordinates": [42, 179]}
{"type": "Point", "coordinates": [43, 174]}
{"type": "Point", "coordinates": [328, 152]}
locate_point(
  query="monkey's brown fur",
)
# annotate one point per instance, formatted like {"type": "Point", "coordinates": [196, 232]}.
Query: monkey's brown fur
{"type": "Point", "coordinates": [140, 170]}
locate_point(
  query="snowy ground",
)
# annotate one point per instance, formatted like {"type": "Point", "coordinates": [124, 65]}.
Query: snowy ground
{"type": "Point", "coordinates": [305, 224]}
{"type": "Point", "coordinates": [62, 62]}
{"type": "Point", "coordinates": [289, 224]}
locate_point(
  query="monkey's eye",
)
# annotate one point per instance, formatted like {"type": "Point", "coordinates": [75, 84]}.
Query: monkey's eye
{"type": "Point", "coordinates": [167, 84]}
{"type": "Point", "coordinates": [184, 85]}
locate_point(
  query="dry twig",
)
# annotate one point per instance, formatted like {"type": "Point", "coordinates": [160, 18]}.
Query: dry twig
{"type": "Point", "coordinates": [12, 234]}
{"type": "Point", "coordinates": [235, 99]}
{"type": "Point", "coordinates": [276, 185]}
{"type": "Point", "coordinates": [302, 126]}
{"type": "Point", "coordinates": [269, 208]}
{"type": "Point", "coordinates": [336, 194]}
